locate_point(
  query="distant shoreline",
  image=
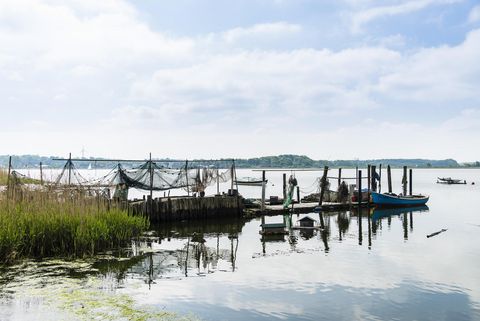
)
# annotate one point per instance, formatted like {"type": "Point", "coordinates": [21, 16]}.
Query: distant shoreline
{"type": "Point", "coordinates": [299, 162]}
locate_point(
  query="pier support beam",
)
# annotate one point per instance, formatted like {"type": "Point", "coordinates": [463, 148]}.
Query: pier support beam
{"type": "Point", "coordinates": [389, 178]}
{"type": "Point", "coordinates": [410, 181]}
{"type": "Point", "coordinates": [263, 191]}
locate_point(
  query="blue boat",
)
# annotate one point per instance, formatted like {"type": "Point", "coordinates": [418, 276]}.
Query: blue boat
{"type": "Point", "coordinates": [398, 200]}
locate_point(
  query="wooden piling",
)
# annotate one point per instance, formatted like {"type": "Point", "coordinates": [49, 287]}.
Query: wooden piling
{"type": "Point", "coordinates": [359, 207]}
{"type": "Point", "coordinates": [218, 183]}
{"type": "Point", "coordinates": [380, 180]}
{"type": "Point", "coordinates": [232, 174]}
{"type": "Point", "coordinates": [298, 194]}
{"type": "Point", "coordinates": [263, 191]}
{"type": "Point", "coordinates": [373, 182]}
{"type": "Point", "coordinates": [186, 177]}
{"type": "Point", "coordinates": [369, 185]}
{"type": "Point", "coordinates": [404, 180]}
{"type": "Point", "coordinates": [410, 183]}
{"type": "Point", "coordinates": [389, 178]}
{"type": "Point", "coordinates": [359, 190]}
{"type": "Point", "coordinates": [41, 173]}
{"type": "Point", "coordinates": [369, 170]}
{"type": "Point", "coordinates": [9, 173]}
{"type": "Point", "coordinates": [284, 186]}
{"type": "Point", "coordinates": [339, 177]}
{"type": "Point", "coordinates": [323, 185]}
{"type": "Point", "coordinates": [150, 167]}
{"type": "Point", "coordinates": [69, 169]}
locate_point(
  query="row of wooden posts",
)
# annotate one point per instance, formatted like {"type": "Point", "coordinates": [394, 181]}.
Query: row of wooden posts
{"type": "Point", "coordinates": [371, 182]}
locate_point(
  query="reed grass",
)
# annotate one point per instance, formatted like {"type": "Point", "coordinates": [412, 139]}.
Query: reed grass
{"type": "Point", "coordinates": [3, 176]}
{"type": "Point", "coordinates": [43, 223]}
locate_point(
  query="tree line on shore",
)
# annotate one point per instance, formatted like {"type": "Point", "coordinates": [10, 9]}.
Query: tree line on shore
{"type": "Point", "coordinates": [280, 161]}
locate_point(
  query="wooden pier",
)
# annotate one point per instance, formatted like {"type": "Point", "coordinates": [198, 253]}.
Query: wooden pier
{"type": "Point", "coordinates": [188, 208]}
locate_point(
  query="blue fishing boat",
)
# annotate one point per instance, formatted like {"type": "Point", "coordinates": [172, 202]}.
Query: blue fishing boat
{"type": "Point", "coordinates": [398, 200]}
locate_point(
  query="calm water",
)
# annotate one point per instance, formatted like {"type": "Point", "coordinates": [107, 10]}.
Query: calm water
{"type": "Point", "coordinates": [384, 269]}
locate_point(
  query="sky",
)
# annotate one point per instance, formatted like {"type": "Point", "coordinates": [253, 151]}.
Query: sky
{"type": "Point", "coordinates": [330, 79]}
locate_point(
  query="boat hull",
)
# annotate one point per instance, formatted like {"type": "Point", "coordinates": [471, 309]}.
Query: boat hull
{"type": "Point", "coordinates": [394, 200]}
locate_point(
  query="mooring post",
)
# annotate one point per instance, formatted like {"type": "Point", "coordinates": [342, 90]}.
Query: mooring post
{"type": "Point", "coordinates": [380, 179]}
{"type": "Point", "coordinates": [284, 186]}
{"type": "Point", "coordinates": [369, 184]}
{"type": "Point", "coordinates": [298, 194]}
{"type": "Point", "coordinates": [339, 177]}
{"type": "Point", "coordinates": [374, 180]}
{"type": "Point", "coordinates": [410, 181]}
{"type": "Point", "coordinates": [235, 173]}
{"type": "Point", "coordinates": [389, 178]}
{"type": "Point", "coordinates": [8, 176]}
{"type": "Point", "coordinates": [359, 190]}
{"type": "Point", "coordinates": [218, 183]}
{"type": "Point", "coordinates": [41, 174]}
{"type": "Point", "coordinates": [404, 180]}
{"type": "Point", "coordinates": [186, 177]}
{"type": "Point", "coordinates": [360, 207]}
{"type": "Point", "coordinates": [263, 191]}
{"type": "Point", "coordinates": [323, 185]}
{"type": "Point", "coordinates": [69, 168]}
{"type": "Point", "coordinates": [233, 177]}
{"type": "Point", "coordinates": [369, 170]}
{"type": "Point", "coordinates": [151, 177]}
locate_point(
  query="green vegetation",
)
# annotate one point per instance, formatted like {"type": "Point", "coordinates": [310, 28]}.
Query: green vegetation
{"type": "Point", "coordinates": [281, 161]}
{"type": "Point", "coordinates": [3, 177]}
{"type": "Point", "coordinates": [49, 223]}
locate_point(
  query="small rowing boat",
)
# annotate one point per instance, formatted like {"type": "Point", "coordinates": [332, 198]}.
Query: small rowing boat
{"type": "Point", "coordinates": [450, 181]}
{"type": "Point", "coordinates": [390, 199]}
{"type": "Point", "coordinates": [249, 181]}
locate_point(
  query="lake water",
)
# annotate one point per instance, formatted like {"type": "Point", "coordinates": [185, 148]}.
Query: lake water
{"type": "Point", "coordinates": [382, 269]}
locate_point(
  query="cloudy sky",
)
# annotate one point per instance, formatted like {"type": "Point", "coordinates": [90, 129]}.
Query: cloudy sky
{"type": "Point", "coordinates": [331, 79]}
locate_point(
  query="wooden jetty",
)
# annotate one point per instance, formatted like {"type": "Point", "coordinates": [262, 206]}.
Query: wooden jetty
{"type": "Point", "coordinates": [187, 208]}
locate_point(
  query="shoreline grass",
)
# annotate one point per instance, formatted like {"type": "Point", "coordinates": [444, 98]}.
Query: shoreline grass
{"type": "Point", "coordinates": [41, 224]}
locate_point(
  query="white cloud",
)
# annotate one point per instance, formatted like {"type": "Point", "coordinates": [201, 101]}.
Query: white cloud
{"type": "Point", "coordinates": [364, 16]}
{"type": "Point", "coordinates": [474, 15]}
{"type": "Point", "coordinates": [278, 29]}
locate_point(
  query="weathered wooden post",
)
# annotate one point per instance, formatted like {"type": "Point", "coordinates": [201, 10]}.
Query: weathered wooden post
{"type": "Point", "coordinates": [263, 191]}
{"type": "Point", "coordinates": [298, 194]}
{"type": "Point", "coordinates": [8, 176]}
{"type": "Point", "coordinates": [380, 179]}
{"type": "Point", "coordinates": [359, 190]}
{"type": "Point", "coordinates": [369, 186]}
{"type": "Point", "coordinates": [150, 167]}
{"type": "Point", "coordinates": [69, 168]}
{"type": "Point", "coordinates": [233, 176]}
{"type": "Point", "coordinates": [360, 207]}
{"type": "Point", "coordinates": [339, 177]}
{"type": "Point", "coordinates": [284, 186]}
{"type": "Point", "coordinates": [323, 185]}
{"type": "Point", "coordinates": [404, 180]}
{"type": "Point", "coordinates": [218, 183]}
{"type": "Point", "coordinates": [41, 174]}
{"type": "Point", "coordinates": [389, 178]}
{"type": "Point", "coordinates": [374, 180]}
{"type": "Point", "coordinates": [186, 177]}
{"type": "Point", "coordinates": [369, 170]}
{"type": "Point", "coordinates": [235, 173]}
{"type": "Point", "coordinates": [410, 181]}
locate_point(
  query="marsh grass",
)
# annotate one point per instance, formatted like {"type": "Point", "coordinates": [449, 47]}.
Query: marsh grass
{"type": "Point", "coordinates": [68, 223]}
